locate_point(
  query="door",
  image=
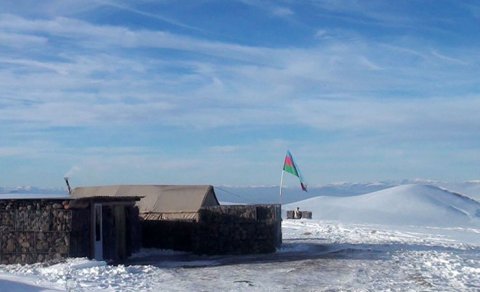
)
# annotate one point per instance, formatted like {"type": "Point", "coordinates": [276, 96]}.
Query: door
{"type": "Point", "coordinates": [98, 232]}
{"type": "Point", "coordinates": [120, 232]}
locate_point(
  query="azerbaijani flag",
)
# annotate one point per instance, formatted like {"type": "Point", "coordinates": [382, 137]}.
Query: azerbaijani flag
{"type": "Point", "coordinates": [290, 167]}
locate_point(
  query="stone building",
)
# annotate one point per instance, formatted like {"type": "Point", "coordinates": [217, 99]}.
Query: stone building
{"type": "Point", "coordinates": [190, 218]}
{"type": "Point", "coordinates": [111, 222]}
{"type": "Point", "coordinates": [238, 229]}
{"type": "Point", "coordinates": [36, 228]}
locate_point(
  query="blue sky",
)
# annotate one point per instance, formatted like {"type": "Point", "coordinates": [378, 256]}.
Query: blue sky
{"type": "Point", "coordinates": [215, 92]}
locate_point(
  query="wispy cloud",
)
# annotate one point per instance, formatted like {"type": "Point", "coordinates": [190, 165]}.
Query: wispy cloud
{"type": "Point", "coordinates": [66, 70]}
{"type": "Point", "coordinates": [271, 7]}
{"type": "Point", "coordinates": [20, 40]}
{"type": "Point", "coordinates": [449, 59]}
{"type": "Point", "coordinates": [282, 11]}
{"type": "Point", "coordinates": [123, 6]}
{"type": "Point", "coordinates": [364, 69]}
{"type": "Point", "coordinates": [87, 35]}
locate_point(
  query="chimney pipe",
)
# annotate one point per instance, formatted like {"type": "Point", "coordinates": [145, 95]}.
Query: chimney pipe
{"type": "Point", "coordinates": [68, 185]}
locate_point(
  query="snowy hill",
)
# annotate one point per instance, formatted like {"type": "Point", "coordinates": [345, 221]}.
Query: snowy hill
{"type": "Point", "coordinates": [469, 188]}
{"type": "Point", "coordinates": [420, 205]}
{"type": "Point", "coordinates": [270, 194]}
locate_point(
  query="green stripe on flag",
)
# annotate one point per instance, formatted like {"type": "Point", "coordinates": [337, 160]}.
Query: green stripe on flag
{"type": "Point", "coordinates": [291, 169]}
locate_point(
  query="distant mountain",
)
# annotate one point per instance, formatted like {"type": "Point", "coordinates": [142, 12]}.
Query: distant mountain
{"type": "Point", "coordinates": [413, 204]}
{"type": "Point", "coordinates": [271, 194]}
{"type": "Point", "coordinates": [31, 190]}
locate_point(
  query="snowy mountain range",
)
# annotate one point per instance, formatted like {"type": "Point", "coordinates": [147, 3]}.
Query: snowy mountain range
{"type": "Point", "coordinates": [270, 194]}
{"type": "Point", "coordinates": [412, 204]}
{"type": "Point", "coordinates": [30, 190]}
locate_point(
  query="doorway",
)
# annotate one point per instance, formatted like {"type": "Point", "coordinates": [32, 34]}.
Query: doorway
{"type": "Point", "coordinates": [98, 232]}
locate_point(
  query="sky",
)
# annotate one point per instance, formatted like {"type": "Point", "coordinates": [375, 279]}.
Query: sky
{"type": "Point", "coordinates": [216, 92]}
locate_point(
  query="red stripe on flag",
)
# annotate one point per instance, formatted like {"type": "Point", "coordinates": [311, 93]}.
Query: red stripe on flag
{"type": "Point", "coordinates": [288, 160]}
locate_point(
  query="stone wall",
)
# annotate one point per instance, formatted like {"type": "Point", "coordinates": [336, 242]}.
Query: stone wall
{"type": "Point", "coordinates": [34, 230]}
{"type": "Point", "coordinates": [239, 229]}
{"type": "Point", "coordinates": [168, 234]}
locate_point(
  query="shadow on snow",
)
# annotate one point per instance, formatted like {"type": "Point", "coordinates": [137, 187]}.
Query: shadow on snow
{"type": "Point", "coordinates": [295, 250]}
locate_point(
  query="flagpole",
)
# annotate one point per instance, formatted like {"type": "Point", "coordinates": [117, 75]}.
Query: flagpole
{"type": "Point", "coordinates": [281, 187]}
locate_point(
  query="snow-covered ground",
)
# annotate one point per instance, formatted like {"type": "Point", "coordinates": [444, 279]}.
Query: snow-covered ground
{"type": "Point", "coordinates": [380, 252]}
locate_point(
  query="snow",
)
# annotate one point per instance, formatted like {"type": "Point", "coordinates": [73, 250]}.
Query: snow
{"type": "Point", "coordinates": [17, 196]}
{"type": "Point", "coordinates": [421, 205]}
{"type": "Point", "coordinates": [469, 188]}
{"type": "Point", "coordinates": [23, 284]}
{"type": "Point", "coordinates": [407, 238]}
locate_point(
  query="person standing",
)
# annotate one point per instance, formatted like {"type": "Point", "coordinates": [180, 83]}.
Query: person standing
{"type": "Point", "coordinates": [297, 214]}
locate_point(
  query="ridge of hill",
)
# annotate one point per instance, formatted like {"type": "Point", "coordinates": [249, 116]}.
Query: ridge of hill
{"type": "Point", "coordinates": [413, 204]}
